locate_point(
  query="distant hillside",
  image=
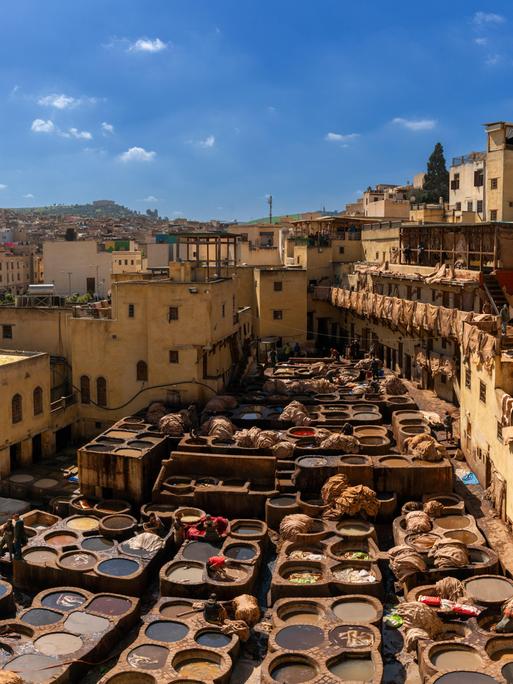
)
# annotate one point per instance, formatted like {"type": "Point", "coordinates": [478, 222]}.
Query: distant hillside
{"type": "Point", "coordinates": [99, 209]}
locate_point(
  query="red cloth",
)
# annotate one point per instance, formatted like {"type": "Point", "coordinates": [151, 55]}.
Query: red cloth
{"type": "Point", "coordinates": [193, 532]}
{"type": "Point", "coordinates": [216, 561]}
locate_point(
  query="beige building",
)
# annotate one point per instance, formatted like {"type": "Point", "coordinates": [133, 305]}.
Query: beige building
{"type": "Point", "coordinates": [499, 171]}
{"type": "Point", "coordinates": [467, 184]}
{"type": "Point", "coordinates": [127, 261]}
{"type": "Point", "coordinates": [78, 266]}
{"type": "Point", "coordinates": [15, 272]}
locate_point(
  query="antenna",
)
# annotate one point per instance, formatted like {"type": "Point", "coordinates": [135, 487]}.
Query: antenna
{"type": "Point", "coordinates": [270, 203]}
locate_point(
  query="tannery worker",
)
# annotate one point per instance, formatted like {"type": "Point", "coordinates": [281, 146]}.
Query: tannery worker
{"type": "Point", "coordinates": [448, 421]}
{"type": "Point", "coordinates": [213, 611]}
{"type": "Point", "coordinates": [7, 538]}
{"type": "Point", "coordinates": [20, 536]}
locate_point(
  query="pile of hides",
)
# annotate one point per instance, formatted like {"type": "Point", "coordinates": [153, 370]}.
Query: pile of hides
{"type": "Point", "coordinates": [346, 444]}
{"type": "Point", "coordinates": [348, 501]}
{"type": "Point", "coordinates": [172, 424]}
{"type": "Point", "coordinates": [147, 541]}
{"type": "Point", "coordinates": [218, 427]}
{"type": "Point", "coordinates": [424, 447]}
{"type": "Point", "coordinates": [507, 608]}
{"type": "Point", "coordinates": [220, 403]}
{"type": "Point", "coordinates": [449, 553]}
{"type": "Point", "coordinates": [275, 387]}
{"type": "Point", "coordinates": [295, 413]}
{"type": "Point", "coordinates": [333, 488]}
{"type": "Point", "coordinates": [238, 627]}
{"type": "Point", "coordinates": [264, 439]}
{"type": "Point", "coordinates": [295, 524]}
{"type": "Point", "coordinates": [418, 522]}
{"type": "Point", "coordinates": [394, 386]}
{"type": "Point", "coordinates": [433, 508]}
{"type": "Point", "coordinates": [451, 589]}
{"type": "Point", "coordinates": [283, 449]}
{"type": "Point", "coordinates": [405, 561]}
{"type": "Point", "coordinates": [245, 607]}
{"type": "Point", "coordinates": [155, 412]}
{"type": "Point", "coordinates": [420, 622]}
{"type": "Point", "coordinates": [10, 678]}
{"type": "Point", "coordinates": [363, 364]}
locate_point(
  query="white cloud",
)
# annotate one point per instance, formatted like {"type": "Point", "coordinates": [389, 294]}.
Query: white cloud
{"type": "Point", "coordinates": [481, 41]}
{"type": "Point", "coordinates": [207, 142]}
{"type": "Point", "coordinates": [147, 45]}
{"type": "Point", "coordinates": [138, 154]}
{"type": "Point", "coordinates": [492, 60]}
{"type": "Point", "coordinates": [3, 186]}
{"type": "Point", "coordinates": [107, 128]}
{"type": "Point", "coordinates": [79, 135]}
{"type": "Point", "coordinates": [481, 18]}
{"type": "Point", "coordinates": [29, 195]}
{"type": "Point", "coordinates": [42, 126]}
{"type": "Point", "coordinates": [150, 198]}
{"type": "Point", "coordinates": [58, 101]}
{"type": "Point", "coordinates": [415, 124]}
{"type": "Point", "coordinates": [340, 137]}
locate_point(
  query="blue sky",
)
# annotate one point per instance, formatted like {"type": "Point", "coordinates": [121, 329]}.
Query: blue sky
{"type": "Point", "coordinates": [201, 108]}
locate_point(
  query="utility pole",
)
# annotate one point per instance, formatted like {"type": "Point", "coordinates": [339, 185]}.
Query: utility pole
{"type": "Point", "coordinates": [270, 203]}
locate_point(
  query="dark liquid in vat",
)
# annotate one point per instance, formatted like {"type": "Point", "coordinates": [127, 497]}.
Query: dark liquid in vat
{"type": "Point", "coordinates": [148, 657]}
{"type": "Point", "coordinates": [41, 616]}
{"type": "Point", "coordinates": [200, 551]}
{"type": "Point", "coordinates": [293, 673]}
{"type": "Point", "coordinates": [167, 631]}
{"type": "Point", "coordinates": [118, 567]}
{"type": "Point", "coordinates": [109, 605]}
{"type": "Point", "coordinates": [240, 552]}
{"type": "Point", "coordinates": [213, 639]}
{"type": "Point", "coordinates": [63, 600]}
{"type": "Point", "coordinates": [97, 544]}
{"type": "Point", "coordinates": [300, 637]}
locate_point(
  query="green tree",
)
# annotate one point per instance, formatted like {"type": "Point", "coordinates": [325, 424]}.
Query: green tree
{"type": "Point", "coordinates": [436, 180]}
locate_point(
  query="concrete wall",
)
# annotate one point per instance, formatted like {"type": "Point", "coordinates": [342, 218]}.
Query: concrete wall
{"type": "Point", "coordinates": [37, 329]}
{"type": "Point", "coordinates": [290, 300]}
{"type": "Point", "coordinates": [69, 264]}
{"type": "Point", "coordinates": [379, 242]}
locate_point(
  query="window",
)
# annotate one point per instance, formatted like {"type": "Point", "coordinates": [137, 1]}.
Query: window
{"type": "Point", "coordinates": [85, 389]}
{"type": "Point", "coordinates": [17, 409]}
{"type": "Point", "coordinates": [433, 295]}
{"type": "Point", "coordinates": [101, 391]}
{"type": "Point", "coordinates": [173, 313]}
{"type": "Point", "coordinates": [478, 178]}
{"type": "Point", "coordinates": [173, 356]}
{"type": "Point", "coordinates": [482, 392]}
{"type": "Point", "coordinates": [418, 293]}
{"type": "Point", "coordinates": [7, 332]}
{"type": "Point", "coordinates": [377, 256]}
{"type": "Point", "coordinates": [499, 431]}
{"type": "Point", "coordinates": [444, 343]}
{"type": "Point", "coordinates": [446, 299]}
{"type": "Point", "coordinates": [493, 215]}
{"type": "Point", "coordinates": [278, 286]}
{"type": "Point", "coordinates": [223, 310]}
{"type": "Point", "coordinates": [510, 204]}
{"type": "Point", "coordinates": [131, 310]}
{"type": "Point", "coordinates": [479, 206]}
{"type": "Point", "coordinates": [470, 205]}
{"type": "Point", "coordinates": [455, 183]}
{"type": "Point", "coordinates": [142, 371]}
{"type": "Point", "coordinates": [494, 183]}
{"type": "Point", "coordinates": [37, 399]}
{"type": "Point", "coordinates": [408, 292]}
{"type": "Point", "coordinates": [458, 206]}
{"type": "Point", "coordinates": [468, 378]}
{"type": "Point", "coordinates": [277, 314]}
{"type": "Point", "coordinates": [341, 250]}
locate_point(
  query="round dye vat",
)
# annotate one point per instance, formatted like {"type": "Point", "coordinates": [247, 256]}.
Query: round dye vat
{"type": "Point", "coordinates": [394, 461]}
{"type": "Point", "coordinates": [489, 589]}
{"type": "Point", "coordinates": [185, 573]}
{"type": "Point", "coordinates": [46, 483]}
{"type": "Point", "coordinates": [120, 434]}
{"type": "Point", "coordinates": [141, 553]}
{"type": "Point", "coordinates": [247, 530]}
{"type": "Point", "coordinates": [507, 673]}
{"type": "Point", "coordinates": [352, 636]}
{"type": "Point", "coordinates": [451, 522]}
{"type": "Point", "coordinates": [140, 444]}
{"type": "Point", "coordinates": [505, 653]}
{"type": "Point", "coordinates": [461, 677]}
{"type": "Point", "coordinates": [41, 616]}
{"type": "Point", "coordinates": [200, 668]}
{"type": "Point", "coordinates": [365, 415]}
{"type": "Point", "coordinates": [118, 522]}
{"type": "Point", "coordinates": [63, 600]}
{"type": "Point", "coordinates": [300, 614]}
{"type": "Point", "coordinates": [33, 667]}
{"type": "Point", "coordinates": [21, 478]}
{"type": "Point", "coordinates": [302, 432]}
{"type": "Point", "coordinates": [251, 416]}
{"type": "Point", "coordinates": [167, 631]}
{"type": "Point", "coordinates": [240, 552]}
{"type": "Point", "coordinates": [355, 610]}
{"type": "Point", "coordinates": [212, 639]}
{"type": "Point", "coordinates": [83, 523]}
{"type": "Point", "coordinates": [453, 658]}
{"type": "Point", "coordinates": [40, 556]}
{"type": "Point", "coordinates": [80, 561]}
{"type": "Point", "coordinates": [109, 605]}
{"type": "Point", "coordinates": [353, 669]}
{"type": "Point", "coordinates": [97, 544]}
{"type": "Point", "coordinates": [148, 657]}
{"type": "Point", "coordinates": [299, 637]}
{"type": "Point", "coordinates": [293, 672]}
{"type": "Point", "coordinates": [118, 567]}
{"type": "Point", "coordinates": [125, 451]}
{"type": "Point", "coordinates": [464, 536]}
{"type": "Point", "coordinates": [84, 623]}
{"type": "Point", "coordinates": [200, 551]}
{"type": "Point", "coordinates": [58, 643]}
{"type": "Point", "coordinates": [354, 528]}
{"type": "Point", "coordinates": [61, 539]}
{"type": "Point", "coordinates": [283, 501]}
{"type": "Point", "coordinates": [175, 608]}
{"type": "Point", "coordinates": [312, 462]}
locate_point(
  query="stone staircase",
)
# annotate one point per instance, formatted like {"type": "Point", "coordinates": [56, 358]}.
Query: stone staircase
{"type": "Point", "coordinates": [495, 293]}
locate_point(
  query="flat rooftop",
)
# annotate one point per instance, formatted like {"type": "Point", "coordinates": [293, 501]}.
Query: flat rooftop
{"type": "Point", "coordinates": [8, 356]}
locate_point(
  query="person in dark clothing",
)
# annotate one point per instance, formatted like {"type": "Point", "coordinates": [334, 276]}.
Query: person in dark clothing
{"type": "Point", "coordinates": [374, 366]}
{"type": "Point", "coordinates": [212, 610]}
{"type": "Point", "coordinates": [347, 429]}
{"type": "Point", "coordinates": [407, 254]}
{"type": "Point", "coordinates": [7, 538]}
{"type": "Point", "coordinates": [448, 423]}
{"type": "Point", "coordinates": [20, 536]}
{"type": "Point", "coordinates": [355, 349]}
